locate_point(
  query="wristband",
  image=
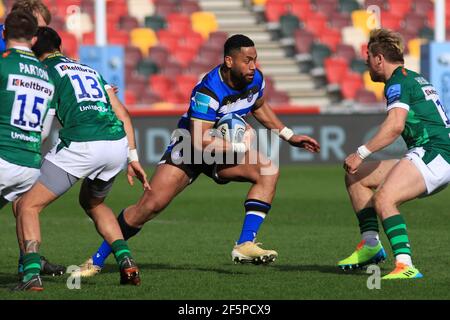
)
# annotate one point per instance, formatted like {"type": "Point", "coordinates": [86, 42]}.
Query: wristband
{"type": "Point", "coordinates": [132, 155]}
{"type": "Point", "coordinates": [286, 133]}
{"type": "Point", "coordinates": [239, 147]}
{"type": "Point", "coordinates": [363, 152]}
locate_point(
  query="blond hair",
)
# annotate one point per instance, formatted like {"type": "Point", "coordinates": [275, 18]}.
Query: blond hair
{"type": "Point", "coordinates": [388, 43]}
{"type": "Point", "coordinates": [33, 6]}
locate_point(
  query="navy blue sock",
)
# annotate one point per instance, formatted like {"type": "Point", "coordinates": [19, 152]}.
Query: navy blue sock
{"type": "Point", "coordinates": [105, 249]}
{"type": "Point", "coordinates": [255, 212]}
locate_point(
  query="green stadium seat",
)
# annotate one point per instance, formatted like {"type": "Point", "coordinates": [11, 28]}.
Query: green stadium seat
{"type": "Point", "coordinates": [358, 65]}
{"type": "Point", "coordinates": [288, 24]}
{"type": "Point", "coordinates": [155, 22]}
{"type": "Point", "coordinates": [319, 52]}
{"type": "Point", "coordinates": [147, 67]}
{"type": "Point", "coordinates": [348, 6]}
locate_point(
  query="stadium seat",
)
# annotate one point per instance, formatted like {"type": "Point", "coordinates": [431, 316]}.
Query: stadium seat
{"type": "Point", "coordinates": [414, 22]}
{"type": "Point", "coordinates": [214, 56]}
{"type": "Point", "coordinates": [288, 24]}
{"type": "Point", "coordinates": [422, 7]}
{"type": "Point", "coordinates": [350, 85]}
{"type": "Point", "coordinates": [376, 87]}
{"type": "Point", "coordinates": [171, 68]}
{"type": "Point", "coordinates": [331, 38]}
{"type": "Point", "coordinates": [345, 51]}
{"type": "Point", "coordinates": [360, 19]}
{"type": "Point", "coordinates": [119, 37]}
{"type": "Point", "coordinates": [185, 83]}
{"type": "Point", "coordinates": [188, 7]}
{"type": "Point", "coordinates": [159, 54]}
{"type": "Point", "coordinates": [132, 56]}
{"type": "Point", "coordinates": [358, 66]}
{"type": "Point", "coordinates": [348, 6]}
{"type": "Point", "coordinates": [399, 8]}
{"type": "Point", "coordinates": [316, 24]}
{"type": "Point", "coordinates": [340, 20]}
{"type": "Point", "coordinates": [69, 44]}
{"type": "Point", "coordinates": [155, 23]}
{"type": "Point", "coordinates": [364, 96]}
{"type": "Point", "coordinates": [301, 9]}
{"type": "Point", "coordinates": [164, 8]}
{"type": "Point", "coordinates": [379, 3]}
{"type": "Point", "coordinates": [88, 38]}
{"type": "Point", "coordinates": [160, 84]}
{"type": "Point", "coordinates": [148, 97]}
{"type": "Point", "coordinates": [303, 40]}
{"type": "Point", "coordinates": [319, 52]}
{"type": "Point", "coordinates": [184, 55]}
{"type": "Point", "coordinates": [390, 21]}
{"type": "Point", "coordinates": [191, 40]}
{"type": "Point", "coordinates": [426, 33]}
{"type": "Point", "coordinates": [143, 38]}
{"type": "Point", "coordinates": [274, 10]}
{"type": "Point", "coordinates": [278, 98]}
{"type": "Point", "coordinates": [77, 24]}
{"type": "Point", "coordinates": [218, 38]}
{"type": "Point", "coordinates": [204, 23]}
{"type": "Point", "coordinates": [168, 39]}
{"type": "Point", "coordinates": [128, 23]}
{"type": "Point", "coordinates": [178, 23]}
{"type": "Point", "coordinates": [130, 98]}
{"type": "Point", "coordinates": [326, 7]}
{"type": "Point", "coordinates": [147, 67]}
{"type": "Point", "coordinates": [414, 47]}
{"type": "Point", "coordinates": [335, 69]}
{"type": "Point", "coordinates": [140, 9]}
{"type": "Point", "coordinates": [354, 36]}
{"type": "Point", "coordinates": [199, 67]}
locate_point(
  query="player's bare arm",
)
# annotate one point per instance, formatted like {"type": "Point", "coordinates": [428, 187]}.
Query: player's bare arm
{"type": "Point", "coordinates": [134, 167]}
{"type": "Point", "coordinates": [389, 131]}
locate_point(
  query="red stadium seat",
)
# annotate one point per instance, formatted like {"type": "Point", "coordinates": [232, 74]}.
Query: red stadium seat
{"type": "Point", "coordinates": [168, 39]}
{"type": "Point", "coordinates": [191, 40]}
{"type": "Point", "coordinates": [345, 51]}
{"type": "Point", "coordinates": [379, 3]}
{"type": "Point", "coordinates": [303, 40]}
{"type": "Point", "coordinates": [178, 23]}
{"type": "Point", "coordinates": [184, 56]}
{"type": "Point", "coordinates": [331, 38]}
{"type": "Point", "coordinates": [69, 44]}
{"type": "Point", "coordinates": [335, 69]}
{"type": "Point", "coordinates": [171, 68]}
{"type": "Point", "coordinates": [163, 9]}
{"type": "Point", "coordinates": [117, 7]}
{"type": "Point", "coordinates": [128, 23]}
{"type": "Point", "coordinates": [365, 96]}
{"type": "Point", "coordinates": [274, 9]}
{"type": "Point", "coordinates": [119, 38]}
{"type": "Point", "coordinates": [189, 6]}
{"type": "Point", "coordinates": [399, 8]}
{"type": "Point", "coordinates": [326, 7]}
{"type": "Point", "coordinates": [88, 38]}
{"type": "Point", "coordinates": [161, 84]}
{"type": "Point", "coordinates": [413, 23]}
{"type": "Point", "coordinates": [423, 7]}
{"type": "Point", "coordinates": [185, 83]}
{"type": "Point", "coordinates": [300, 8]}
{"type": "Point", "coordinates": [390, 21]}
{"type": "Point", "coordinates": [132, 56]}
{"type": "Point", "coordinates": [339, 20]}
{"type": "Point", "coordinates": [350, 85]}
{"type": "Point", "coordinates": [159, 55]}
{"type": "Point", "coordinates": [316, 24]}
{"type": "Point", "coordinates": [130, 97]}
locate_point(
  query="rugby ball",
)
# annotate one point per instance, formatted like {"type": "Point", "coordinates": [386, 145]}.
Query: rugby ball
{"type": "Point", "coordinates": [232, 127]}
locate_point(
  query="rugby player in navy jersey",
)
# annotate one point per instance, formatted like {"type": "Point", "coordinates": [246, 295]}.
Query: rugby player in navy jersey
{"type": "Point", "coordinates": [236, 86]}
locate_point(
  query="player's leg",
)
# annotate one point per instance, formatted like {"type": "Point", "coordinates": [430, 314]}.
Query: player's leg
{"type": "Point", "coordinates": [263, 175]}
{"type": "Point", "coordinates": [52, 183]}
{"type": "Point", "coordinates": [360, 188]}
{"type": "Point", "coordinates": [91, 198]}
{"type": "Point", "coordinates": [404, 182]}
{"type": "Point", "coordinates": [167, 181]}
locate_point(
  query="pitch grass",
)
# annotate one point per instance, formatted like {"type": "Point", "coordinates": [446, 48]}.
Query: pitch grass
{"type": "Point", "coordinates": [185, 252]}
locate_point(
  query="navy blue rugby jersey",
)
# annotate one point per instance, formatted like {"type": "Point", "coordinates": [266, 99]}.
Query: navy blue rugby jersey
{"type": "Point", "coordinates": [2, 41]}
{"type": "Point", "coordinates": [212, 98]}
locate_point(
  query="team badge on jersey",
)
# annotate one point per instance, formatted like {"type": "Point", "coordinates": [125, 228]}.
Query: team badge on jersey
{"type": "Point", "coordinates": [393, 93]}
{"type": "Point", "coordinates": [201, 102]}
{"type": "Point", "coordinates": [250, 96]}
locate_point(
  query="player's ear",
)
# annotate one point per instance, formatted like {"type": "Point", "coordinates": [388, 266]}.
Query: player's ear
{"type": "Point", "coordinates": [228, 61]}
{"type": "Point", "coordinates": [33, 41]}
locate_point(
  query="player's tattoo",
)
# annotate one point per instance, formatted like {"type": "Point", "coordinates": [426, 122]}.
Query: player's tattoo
{"type": "Point", "coordinates": [31, 246]}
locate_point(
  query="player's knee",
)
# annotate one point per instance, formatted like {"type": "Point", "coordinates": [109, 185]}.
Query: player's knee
{"type": "Point", "coordinates": [153, 207]}
{"type": "Point", "coordinates": [382, 199]}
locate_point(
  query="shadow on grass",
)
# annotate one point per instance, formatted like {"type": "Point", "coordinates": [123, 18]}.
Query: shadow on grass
{"type": "Point", "coordinates": [162, 266]}
{"type": "Point", "coordinates": [10, 280]}
{"type": "Point", "coordinates": [320, 268]}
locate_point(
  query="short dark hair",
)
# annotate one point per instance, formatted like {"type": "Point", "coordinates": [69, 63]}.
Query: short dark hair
{"type": "Point", "coordinates": [48, 41]}
{"type": "Point", "coordinates": [236, 42]}
{"type": "Point", "coordinates": [20, 25]}
{"type": "Point", "coordinates": [33, 6]}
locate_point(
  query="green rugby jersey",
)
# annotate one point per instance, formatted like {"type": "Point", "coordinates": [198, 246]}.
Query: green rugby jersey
{"type": "Point", "coordinates": [26, 92]}
{"type": "Point", "coordinates": [428, 121]}
{"type": "Point", "coordinates": [81, 102]}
